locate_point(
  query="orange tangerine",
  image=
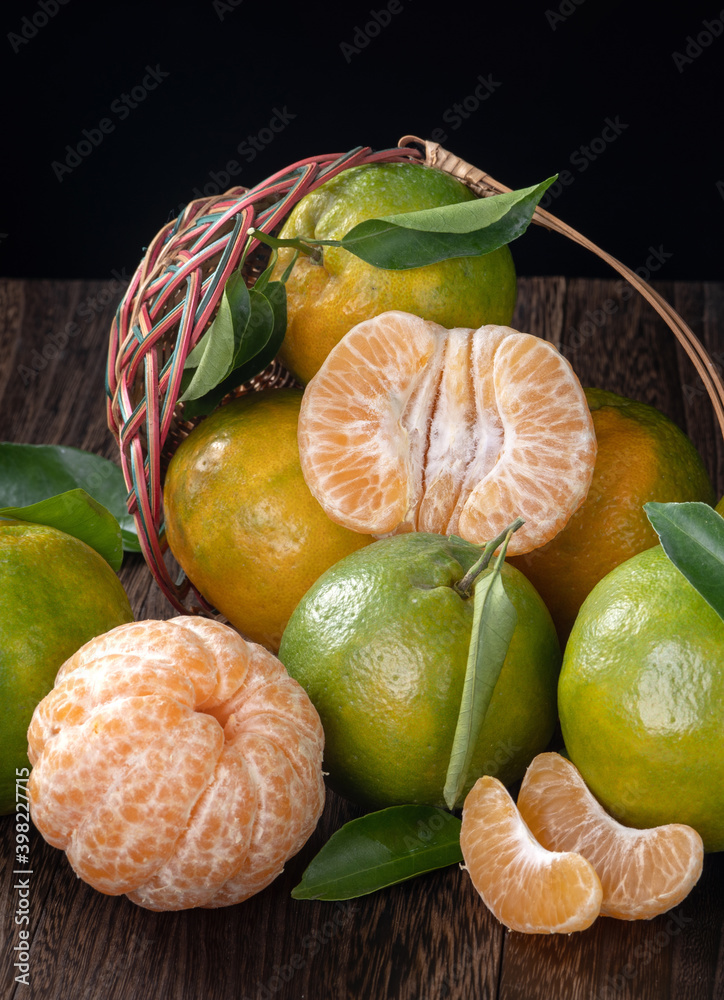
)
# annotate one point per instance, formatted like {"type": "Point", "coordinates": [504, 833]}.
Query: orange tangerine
{"type": "Point", "coordinates": [408, 426]}
{"type": "Point", "coordinates": [177, 763]}
{"type": "Point", "coordinates": [527, 887]}
{"type": "Point", "coordinates": [642, 456]}
{"type": "Point", "coordinates": [240, 520]}
{"type": "Point", "coordinates": [642, 872]}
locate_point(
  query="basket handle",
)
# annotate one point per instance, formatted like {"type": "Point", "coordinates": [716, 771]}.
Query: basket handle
{"type": "Point", "coordinates": [485, 185]}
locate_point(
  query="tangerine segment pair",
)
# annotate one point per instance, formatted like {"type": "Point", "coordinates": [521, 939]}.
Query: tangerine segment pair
{"type": "Point", "coordinates": [409, 426]}
{"type": "Point", "coordinates": [528, 888]}
{"type": "Point", "coordinates": [176, 763]}
{"type": "Point", "coordinates": [557, 860]}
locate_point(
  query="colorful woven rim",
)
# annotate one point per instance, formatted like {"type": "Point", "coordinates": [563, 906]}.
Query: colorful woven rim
{"type": "Point", "coordinates": [176, 289]}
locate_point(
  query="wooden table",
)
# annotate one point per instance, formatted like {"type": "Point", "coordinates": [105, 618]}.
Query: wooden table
{"type": "Point", "coordinates": [428, 939]}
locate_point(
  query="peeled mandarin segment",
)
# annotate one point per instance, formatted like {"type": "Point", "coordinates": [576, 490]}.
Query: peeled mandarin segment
{"type": "Point", "coordinates": [528, 888]}
{"type": "Point", "coordinates": [155, 640]}
{"type": "Point", "coordinates": [303, 757]}
{"type": "Point", "coordinates": [642, 872]}
{"type": "Point", "coordinates": [450, 439]}
{"type": "Point", "coordinates": [279, 823]}
{"type": "Point", "coordinates": [133, 828]}
{"type": "Point", "coordinates": [269, 689]}
{"type": "Point", "coordinates": [486, 425]}
{"type": "Point", "coordinates": [408, 426]}
{"type": "Point", "coordinates": [72, 699]}
{"type": "Point", "coordinates": [362, 428]}
{"type": "Point", "coordinates": [214, 845]}
{"type": "Point", "coordinates": [157, 787]}
{"type": "Point", "coordinates": [74, 771]}
{"type": "Point", "coordinates": [262, 668]}
{"type": "Point", "coordinates": [548, 453]}
{"type": "Point", "coordinates": [272, 705]}
{"type": "Point", "coordinates": [229, 651]}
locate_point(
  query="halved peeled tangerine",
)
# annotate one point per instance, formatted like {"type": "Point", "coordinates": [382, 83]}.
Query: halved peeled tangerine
{"type": "Point", "coordinates": [408, 426]}
{"type": "Point", "coordinates": [176, 763]}
{"type": "Point", "coordinates": [642, 872]}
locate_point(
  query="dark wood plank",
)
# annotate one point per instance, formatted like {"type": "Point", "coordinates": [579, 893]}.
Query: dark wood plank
{"type": "Point", "coordinates": [12, 301]}
{"type": "Point", "coordinates": [56, 392]}
{"type": "Point", "coordinates": [540, 308]}
{"type": "Point", "coordinates": [616, 341]}
{"type": "Point", "coordinates": [703, 307]}
{"type": "Point", "coordinates": [431, 938]}
{"type": "Point", "coordinates": [668, 958]}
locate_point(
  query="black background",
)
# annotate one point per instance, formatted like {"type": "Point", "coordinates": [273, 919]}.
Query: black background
{"type": "Point", "coordinates": [558, 71]}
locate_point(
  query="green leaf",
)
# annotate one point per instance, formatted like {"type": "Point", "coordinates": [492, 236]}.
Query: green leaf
{"type": "Point", "coordinates": [265, 277]}
{"type": "Point", "coordinates": [290, 267]}
{"type": "Point", "coordinates": [33, 472]}
{"type": "Point", "coordinates": [258, 346]}
{"type": "Point", "coordinates": [213, 356]}
{"type": "Point", "coordinates": [467, 229]}
{"type": "Point", "coordinates": [259, 329]}
{"type": "Point", "coordinates": [236, 308]}
{"type": "Point", "coordinates": [692, 536]}
{"type": "Point", "coordinates": [381, 849]}
{"type": "Point", "coordinates": [76, 513]}
{"type": "Point", "coordinates": [494, 621]}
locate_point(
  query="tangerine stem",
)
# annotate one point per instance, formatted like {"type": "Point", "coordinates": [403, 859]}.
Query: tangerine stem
{"type": "Point", "coordinates": [274, 242]}
{"type": "Point", "coordinates": [464, 586]}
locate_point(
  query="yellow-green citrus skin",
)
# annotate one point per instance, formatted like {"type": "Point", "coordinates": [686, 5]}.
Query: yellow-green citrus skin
{"type": "Point", "coordinates": [56, 593]}
{"type": "Point", "coordinates": [641, 698]}
{"type": "Point", "coordinates": [240, 519]}
{"type": "Point", "coordinates": [380, 644]}
{"type": "Point", "coordinates": [325, 300]}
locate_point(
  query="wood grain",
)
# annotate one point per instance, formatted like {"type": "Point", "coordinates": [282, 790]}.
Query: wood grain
{"type": "Point", "coordinates": [430, 939]}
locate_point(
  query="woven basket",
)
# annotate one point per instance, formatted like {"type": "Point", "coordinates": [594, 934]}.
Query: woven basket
{"type": "Point", "coordinates": [174, 294]}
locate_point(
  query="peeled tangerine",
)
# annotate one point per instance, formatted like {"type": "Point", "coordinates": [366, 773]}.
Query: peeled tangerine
{"type": "Point", "coordinates": [408, 426]}
{"type": "Point", "coordinates": [557, 860]}
{"type": "Point", "coordinates": [176, 763]}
